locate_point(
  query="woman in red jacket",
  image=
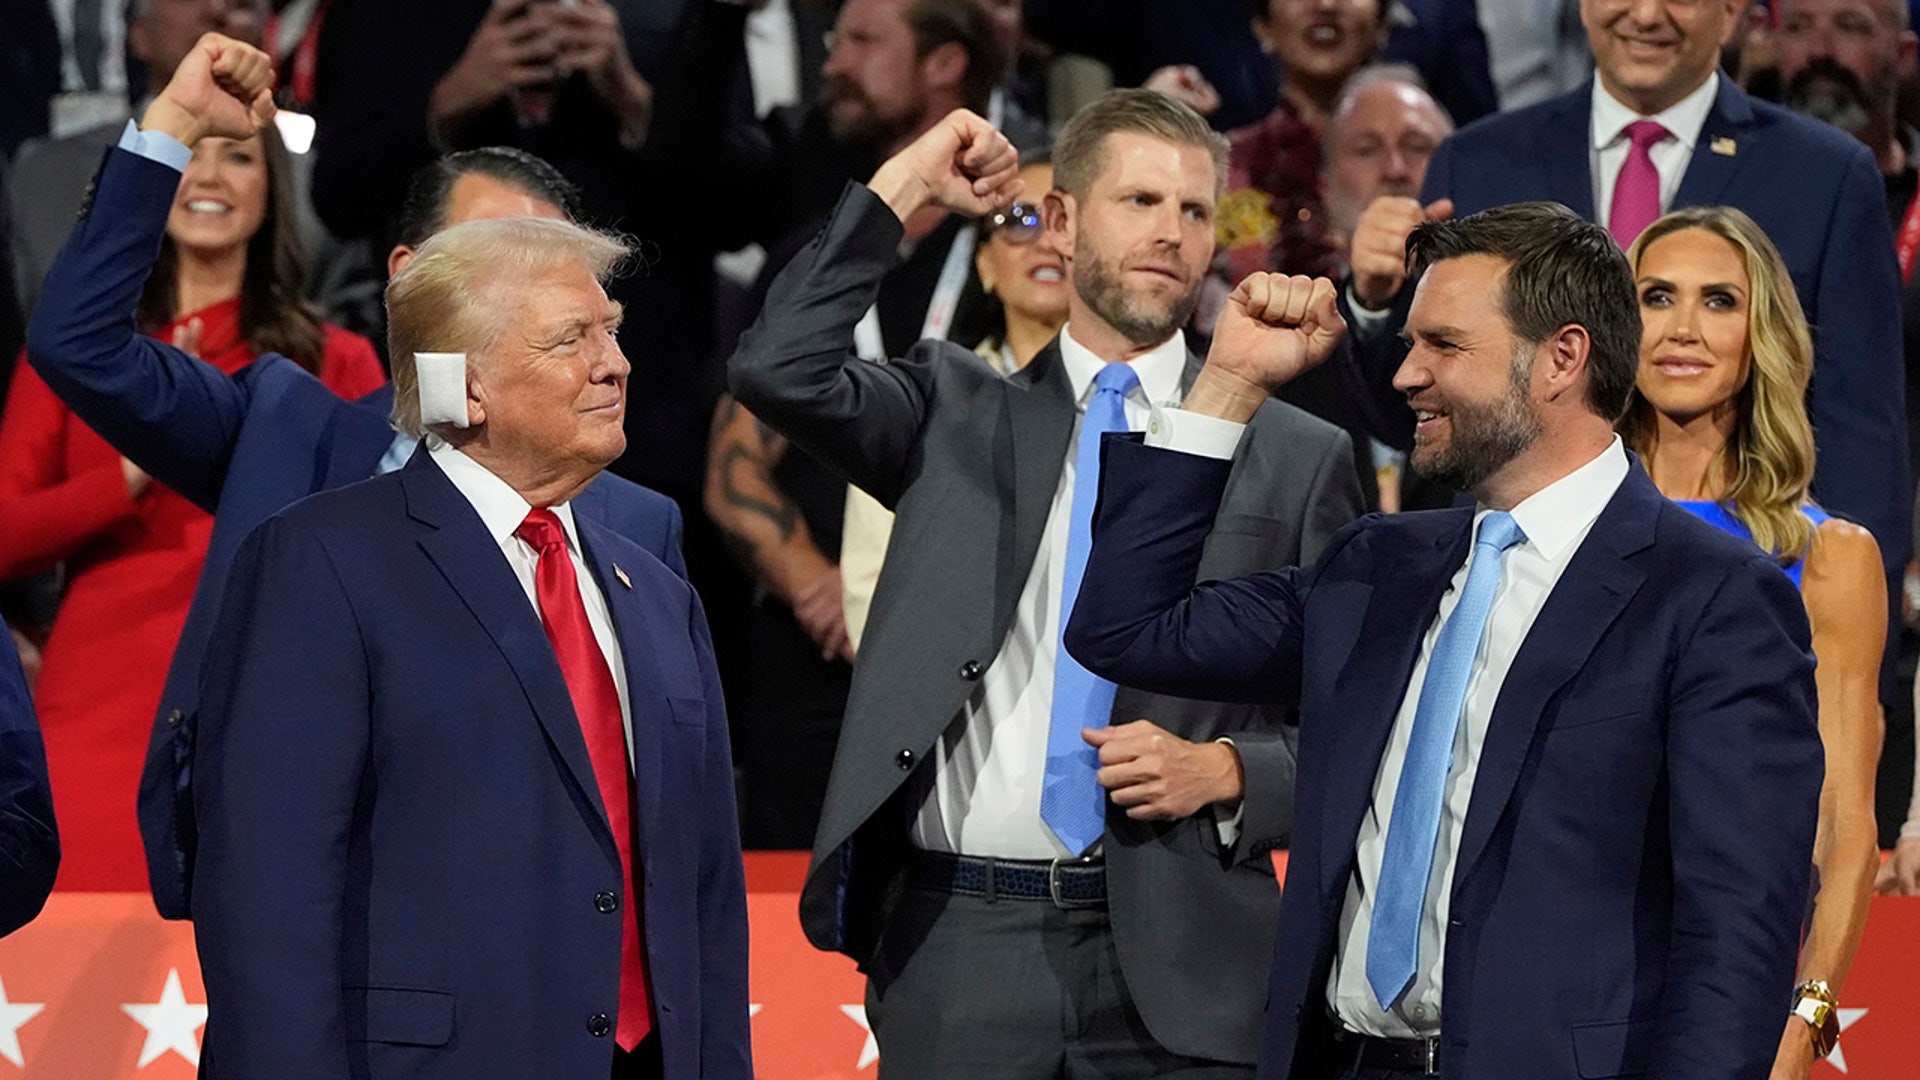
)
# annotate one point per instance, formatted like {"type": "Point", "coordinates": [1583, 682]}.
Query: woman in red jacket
{"type": "Point", "coordinates": [227, 286]}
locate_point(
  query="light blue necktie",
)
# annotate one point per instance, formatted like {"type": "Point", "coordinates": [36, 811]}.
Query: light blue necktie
{"type": "Point", "coordinates": [1393, 942]}
{"type": "Point", "coordinates": [1071, 802]}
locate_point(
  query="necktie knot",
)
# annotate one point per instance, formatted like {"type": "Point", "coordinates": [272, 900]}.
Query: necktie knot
{"type": "Point", "coordinates": [1643, 134]}
{"type": "Point", "coordinates": [1116, 378]}
{"type": "Point", "coordinates": [1499, 531]}
{"type": "Point", "coordinates": [541, 530]}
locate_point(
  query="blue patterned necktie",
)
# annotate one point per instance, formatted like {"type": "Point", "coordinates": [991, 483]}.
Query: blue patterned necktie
{"type": "Point", "coordinates": [1393, 941]}
{"type": "Point", "coordinates": [1071, 802]}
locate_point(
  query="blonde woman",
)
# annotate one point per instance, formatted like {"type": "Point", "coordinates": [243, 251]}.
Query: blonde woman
{"type": "Point", "coordinates": [1719, 419]}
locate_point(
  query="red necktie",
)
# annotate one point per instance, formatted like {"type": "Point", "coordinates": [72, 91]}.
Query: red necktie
{"type": "Point", "coordinates": [597, 703]}
{"type": "Point", "coordinates": [1636, 192]}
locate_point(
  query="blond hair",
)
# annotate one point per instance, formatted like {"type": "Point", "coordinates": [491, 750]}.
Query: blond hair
{"type": "Point", "coordinates": [1769, 457]}
{"type": "Point", "coordinates": [452, 296]}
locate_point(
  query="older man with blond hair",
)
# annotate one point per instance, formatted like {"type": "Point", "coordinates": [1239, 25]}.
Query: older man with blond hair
{"type": "Point", "coordinates": [462, 779]}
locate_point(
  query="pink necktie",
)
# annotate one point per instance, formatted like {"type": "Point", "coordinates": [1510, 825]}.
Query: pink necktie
{"type": "Point", "coordinates": [1636, 193]}
{"type": "Point", "coordinates": [597, 704]}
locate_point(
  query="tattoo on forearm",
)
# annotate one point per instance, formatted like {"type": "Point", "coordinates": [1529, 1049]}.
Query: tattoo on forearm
{"type": "Point", "coordinates": [781, 513]}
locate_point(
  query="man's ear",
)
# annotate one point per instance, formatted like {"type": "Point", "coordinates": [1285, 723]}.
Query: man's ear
{"type": "Point", "coordinates": [397, 259]}
{"type": "Point", "coordinates": [944, 68]}
{"type": "Point", "coordinates": [1567, 353]}
{"type": "Point", "coordinates": [476, 399]}
{"type": "Point", "coordinates": [1057, 212]}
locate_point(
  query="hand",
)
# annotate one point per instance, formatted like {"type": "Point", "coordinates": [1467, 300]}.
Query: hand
{"type": "Point", "coordinates": [1795, 1058]}
{"type": "Point", "coordinates": [1156, 775]}
{"type": "Point", "coordinates": [819, 608]}
{"type": "Point", "coordinates": [590, 42]}
{"type": "Point", "coordinates": [223, 87]}
{"type": "Point", "coordinates": [1900, 874]}
{"type": "Point", "coordinates": [1273, 328]}
{"type": "Point", "coordinates": [961, 164]}
{"type": "Point", "coordinates": [516, 46]}
{"type": "Point", "coordinates": [1184, 84]}
{"type": "Point", "coordinates": [186, 336]}
{"type": "Point", "coordinates": [137, 479]}
{"type": "Point", "coordinates": [1379, 252]}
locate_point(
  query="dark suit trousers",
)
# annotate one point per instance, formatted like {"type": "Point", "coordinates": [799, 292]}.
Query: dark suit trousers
{"type": "Point", "coordinates": [642, 1064]}
{"type": "Point", "coordinates": [1012, 989]}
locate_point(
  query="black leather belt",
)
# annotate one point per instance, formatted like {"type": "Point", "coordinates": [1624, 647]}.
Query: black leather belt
{"type": "Point", "coordinates": [1417, 1057]}
{"type": "Point", "coordinates": [1067, 883]}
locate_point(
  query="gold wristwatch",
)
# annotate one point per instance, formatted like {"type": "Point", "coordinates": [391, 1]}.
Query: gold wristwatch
{"type": "Point", "coordinates": [1816, 1005]}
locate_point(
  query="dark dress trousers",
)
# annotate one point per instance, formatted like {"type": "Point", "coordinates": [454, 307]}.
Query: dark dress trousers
{"type": "Point", "coordinates": [29, 843]}
{"type": "Point", "coordinates": [1636, 853]}
{"type": "Point", "coordinates": [970, 462]}
{"type": "Point", "coordinates": [241, 447]}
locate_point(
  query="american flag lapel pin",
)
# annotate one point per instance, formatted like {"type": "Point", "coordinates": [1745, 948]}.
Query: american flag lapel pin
{"type": "Point", "coordinates": [622, 575]}
{"type": "Point", "coordinates": [1724, 146]}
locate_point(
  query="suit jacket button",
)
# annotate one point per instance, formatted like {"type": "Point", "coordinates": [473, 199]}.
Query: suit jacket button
{"type": "Point", "coordinates": [606, 903]}
{"type": "Point", "coordinates": [971, 670]}
{"type": "Point", "coordinates": [904, 759]}
{"type": "Point", "coordinates": [174, 716]}
{"type": "Point", "coordinates": [598, 1025]}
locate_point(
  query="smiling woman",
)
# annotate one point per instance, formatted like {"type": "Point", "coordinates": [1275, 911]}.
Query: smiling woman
{"type": "Point", "coordinates": [1718, 415]}
{"type": "Point", "coordinates": [227, 286]}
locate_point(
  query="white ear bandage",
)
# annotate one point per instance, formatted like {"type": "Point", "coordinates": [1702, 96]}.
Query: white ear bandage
{"type": "Point", "coordinates": [443, 388]}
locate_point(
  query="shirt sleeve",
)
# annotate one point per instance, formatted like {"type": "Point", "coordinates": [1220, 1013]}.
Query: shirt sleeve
{"type": "Point", "coordinates": [1193, 433]}
{"type": "Point", "coordinates": [156, 146]}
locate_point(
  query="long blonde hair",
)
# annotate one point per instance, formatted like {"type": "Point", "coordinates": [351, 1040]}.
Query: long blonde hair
{"type": "Point", "coordinates": [1769, 457]}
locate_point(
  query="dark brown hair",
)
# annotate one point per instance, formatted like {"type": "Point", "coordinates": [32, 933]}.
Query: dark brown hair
{"type": "Point", "coordinates": [275, 315]}
{"type": "Point", "coordinates": [967, 22]}
{"type": "Point", "coordinates": [1562, 270]}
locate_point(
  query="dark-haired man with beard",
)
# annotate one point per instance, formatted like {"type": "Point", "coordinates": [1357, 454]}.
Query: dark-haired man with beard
{"type": "Point", "coordinates": [1015, 921]}
{"type": "Point", "coordinates": [1559, 763]}
{"type": "Point", "coordinates": [1841, 61]}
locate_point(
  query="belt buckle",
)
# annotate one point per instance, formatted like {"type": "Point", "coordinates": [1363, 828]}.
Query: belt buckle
{"type": "Point", "coordinates": [1053, 881]}
{"type": "Point", "coordinates": [1433, 1055]}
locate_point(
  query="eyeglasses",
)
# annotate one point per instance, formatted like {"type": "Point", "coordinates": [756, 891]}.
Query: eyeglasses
{"type": "Point", "coordinates": [1019, 223]}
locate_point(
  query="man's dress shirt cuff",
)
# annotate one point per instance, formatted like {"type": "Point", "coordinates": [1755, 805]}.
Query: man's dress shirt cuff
{"type": "Point", "coordinates": [1193, 433]}
{"type": "Point", "coordinates": [156, 146]}
{"type": "Point", "coordinates": [1228, 825]}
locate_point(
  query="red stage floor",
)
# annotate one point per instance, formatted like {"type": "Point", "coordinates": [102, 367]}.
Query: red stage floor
{"type": "Point", "coordinates": [100, 988]}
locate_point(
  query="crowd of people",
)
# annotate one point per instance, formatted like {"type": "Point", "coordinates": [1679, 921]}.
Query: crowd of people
{"type": "Point", "coordinates": [776, 344]}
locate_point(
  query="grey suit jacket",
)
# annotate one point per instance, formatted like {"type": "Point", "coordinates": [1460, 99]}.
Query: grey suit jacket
{"type": "Point", "coordinates": [970, 462]}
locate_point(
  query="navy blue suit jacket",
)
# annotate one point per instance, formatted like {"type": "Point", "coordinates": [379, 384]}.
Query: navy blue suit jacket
{"type": "Point", "coordinates": [403, 859]}
{"type": "Point", "coordinates": [1636, 853]}
{"type": "Point", "coordinates": [242, 447]}
{"type": "Point", "coordinates": [29, 843]}
{"type": "Point", "coordinates": [1818, 194]}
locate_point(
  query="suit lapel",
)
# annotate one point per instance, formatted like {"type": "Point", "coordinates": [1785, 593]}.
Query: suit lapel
{"type": "Point", "coordinates": [1040, 404]}
{"type": "Point", "coordinates": [1590, 595]}
{"type": "Point", "coordinates": [1372, 685]}
{"type": "Point", "coordinates": [646, 694]}
{"type": "Point", "coordinates": [469, 560]}
{"type": "Point", "coordinates": [1711, 170]}
{"type": "Point", "coordinates": [1566, 146]}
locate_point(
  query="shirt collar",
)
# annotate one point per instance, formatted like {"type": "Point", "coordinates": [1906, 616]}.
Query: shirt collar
{"type": "Point", "coordinates": [501, 508]}
{"type": "Point", "coordinates": [1560, 513]}
{"type": "Point", "coordinates": [1684, 118]}
{"type": "Point", "coordinates": [1159, 368]}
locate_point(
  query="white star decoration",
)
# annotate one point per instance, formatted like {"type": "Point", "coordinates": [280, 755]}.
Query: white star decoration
{"type": "Point", "coordinates": [870, 1052]}
{"type": "Point", "coordinates": [11, 1018]}
{"type": "Point", "coordinates": [1838, 1059]}
{"type": "Point", "coordinates": [171, 1023]}
{"type": "Point", "coordinates": [754, 1010]}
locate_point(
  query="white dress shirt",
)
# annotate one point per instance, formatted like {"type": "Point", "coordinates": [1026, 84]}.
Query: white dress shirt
{"type": "Point", "coordinates": [1556, 520]}
{"type": "Point", "coordinates": [1608, 144]}
{"type": "Point", "coordinates": [989, 764]}
{"type": "Point", "coordinates": [501, 510]}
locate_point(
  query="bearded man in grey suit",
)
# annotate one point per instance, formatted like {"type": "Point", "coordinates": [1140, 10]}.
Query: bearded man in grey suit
{"type": "Point", "coordinates": [1042, 875]}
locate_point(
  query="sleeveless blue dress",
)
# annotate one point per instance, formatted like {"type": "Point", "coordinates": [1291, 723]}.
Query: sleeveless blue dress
{"type": "Point", "coordinates": [1721, 516]}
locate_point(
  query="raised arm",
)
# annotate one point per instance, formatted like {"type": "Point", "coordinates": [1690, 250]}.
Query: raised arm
{"type": "Point", "coordinates": [796, 368]}
{"type": "Point", "coordinates": [174, 416]}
